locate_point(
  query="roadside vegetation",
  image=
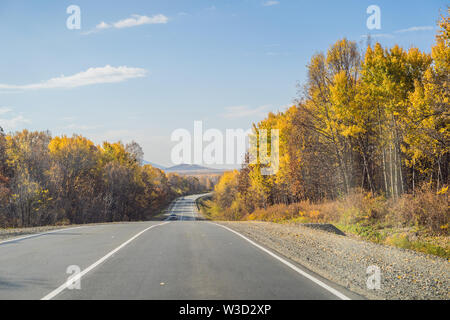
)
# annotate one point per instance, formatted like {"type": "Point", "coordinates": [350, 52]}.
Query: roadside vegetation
{"type": "Point", "coordinates": [366, 147]}
{"type": "Point", "coordinates": [418, 223]}
{"type": "Point", "coordinates": [47, 180]}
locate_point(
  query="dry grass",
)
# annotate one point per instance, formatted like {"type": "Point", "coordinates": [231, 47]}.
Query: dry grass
{"type": "Point", "coordinates": [418, 222]}
{"type": "Point", "coordinates": [426, 210]}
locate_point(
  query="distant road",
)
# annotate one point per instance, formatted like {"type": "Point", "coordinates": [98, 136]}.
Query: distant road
{"type": "Point", "coordinates": [184, 259]}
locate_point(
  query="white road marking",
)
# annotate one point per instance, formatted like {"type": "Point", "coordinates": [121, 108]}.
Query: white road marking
{"type": "Point", "coordinates": [169, 210]}
{"type": "Point", "coordinates": [193, 212]}
{"type": "Point", "coordinates": [290, 265]}
{"type": "Point", "coordinates": [39, 234]}
{"type": "Point", "coordinates": [172, 206]}
{"type": "Point", "coordinates": [61, 288]}
{"type": "Point", "coordinates": [182, 215]}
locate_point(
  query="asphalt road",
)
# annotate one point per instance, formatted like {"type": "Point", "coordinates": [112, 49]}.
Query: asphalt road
{"type": "Point", "coordinates": [183, 259]}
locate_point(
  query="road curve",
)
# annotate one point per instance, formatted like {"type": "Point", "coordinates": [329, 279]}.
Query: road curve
{"type": "Point", "coordinates": [184, 259]}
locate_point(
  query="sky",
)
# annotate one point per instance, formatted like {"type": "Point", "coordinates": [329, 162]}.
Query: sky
{"type": "Point", "coordinates": [138, 70]}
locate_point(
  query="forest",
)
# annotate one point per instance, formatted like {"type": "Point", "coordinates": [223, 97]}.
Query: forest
{"type": "Point", "coordinates": [47, 180]}
{"type": "Point", "coordinates": [367, 141]}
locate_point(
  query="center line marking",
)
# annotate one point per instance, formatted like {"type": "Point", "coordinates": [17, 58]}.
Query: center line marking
{"type": "Point", "coordinates": [61, 288]}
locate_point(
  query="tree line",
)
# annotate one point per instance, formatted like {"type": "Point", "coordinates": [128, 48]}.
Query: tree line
{"type": "Point", "coordinates": [48, 180]}
{"type": "Point", "coordinates": [375, 120]}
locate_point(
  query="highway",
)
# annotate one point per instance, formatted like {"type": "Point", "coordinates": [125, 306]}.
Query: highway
{"type": "Point", "coordinates": [183, 259]}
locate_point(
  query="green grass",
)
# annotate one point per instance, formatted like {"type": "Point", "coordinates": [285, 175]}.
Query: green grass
{"type": "Point", "coordinates": [367, 232]}
{"type": "Point", "coordinates": [402, 241]}
{"type": "Point", "coordinates": [388, 236]}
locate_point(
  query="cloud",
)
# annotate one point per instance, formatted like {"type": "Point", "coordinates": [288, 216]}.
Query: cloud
{"type": "Point", "coordinates": [103, 25]}
{"type": "Point", "coordinates": [270, 3]}
{"type": "Point", "coordinates": [391, 36]}
{"type": "Point", "coordinates": [91, 76]}
{"type": "Point", "coordinates": [4, 110]}
{"type": "Point", "coordinates": [414, 29]}
{"type": "Point", "coordinates": [245, 111]}
{"type": "Point", "coordinates": [133, 21]}
{"type": "Point", "coordinates": [11, 123]}
{"type": "Point", "coordinates": [137, 20]}
{"type": "Point", "coordinates": [378, 35]}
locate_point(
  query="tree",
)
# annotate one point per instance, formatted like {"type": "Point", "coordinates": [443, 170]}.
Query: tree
{"type": "Point", "coordinates": [376, 121]}
{"type": "Point", "coordinates": [136, 152]}
{"type": "Point", "coordinates": [75, 175]}
{"type": "Point", "coordinates": [427, 128]}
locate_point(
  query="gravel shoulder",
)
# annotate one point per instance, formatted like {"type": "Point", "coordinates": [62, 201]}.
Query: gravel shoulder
{"type": "Point", "coordinates": [405, 274]}
{"type": "Point", "coordinates": [7, 234]}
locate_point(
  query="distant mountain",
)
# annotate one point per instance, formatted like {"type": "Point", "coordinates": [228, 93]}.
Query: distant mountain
{"type": "Point", "coordinates": [154, 165]}
{"type": "Point", "coordinates": [187, 167]}
{"type": "Point", "coordinates": [192, 169]}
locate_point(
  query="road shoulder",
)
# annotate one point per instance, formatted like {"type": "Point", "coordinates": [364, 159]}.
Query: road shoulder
{"type": "Point", "coordinates": [404, 274]}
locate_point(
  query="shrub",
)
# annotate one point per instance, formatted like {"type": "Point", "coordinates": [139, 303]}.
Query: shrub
{"type": "Point", "coordinates": [427, 209]}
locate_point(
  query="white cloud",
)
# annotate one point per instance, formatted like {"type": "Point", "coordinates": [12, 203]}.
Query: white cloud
{"type": "Point", "coordinates": [11, 123]}
{"type": "Point", "coordinates": [414, 29]}
{"type": "Point", "coordinates": [137, 20]}
{"type": "Point", "coordinates": [103, 25]}
{"type": "Point", "coordinates": [134, 21]}
{"type": "Point", "coordinates": [391, 36]}
{"type": "Point", "coordinates": [270, 3]}
{"type": "Point", "coordinates": [107, 74]}
{"type": "Point", "coordinates": [378, 35]}
{"type": "Point", "coordinates": [4, 110]}
{"type": "Point", "coordinates": [245, 111]}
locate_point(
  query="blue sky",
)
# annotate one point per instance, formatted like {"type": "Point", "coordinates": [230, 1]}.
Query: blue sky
{"type": "Point", "coordinates": [154, 66]}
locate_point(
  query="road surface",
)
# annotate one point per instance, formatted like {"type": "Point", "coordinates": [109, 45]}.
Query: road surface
{"type": "Point", "coordinates": [183, 259]}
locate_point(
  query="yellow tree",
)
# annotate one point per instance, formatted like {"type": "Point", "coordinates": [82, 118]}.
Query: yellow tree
{"type": "Point", "coordinates": [74, 173]}
{"type": "Point", "coordinates": [27, 157]}
{"type": "Point", "coordinates": [428, 128]}
{"type": "Point", "coordinates": [387, 80]}
{"type": "Point", "coordinates": [328, 77]}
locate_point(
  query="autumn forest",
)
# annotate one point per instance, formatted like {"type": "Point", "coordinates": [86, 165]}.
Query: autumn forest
{"type": "Point", "coordinates": [47, 180]}
{"type": "Point", "coordinates": [366, 143]}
